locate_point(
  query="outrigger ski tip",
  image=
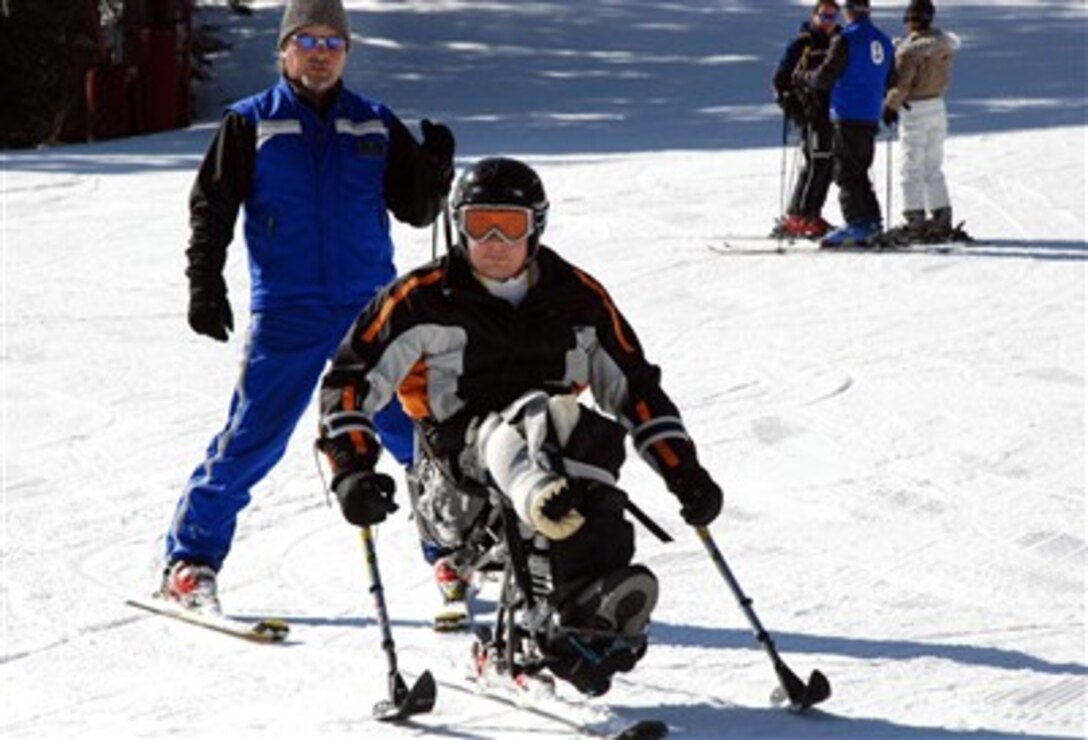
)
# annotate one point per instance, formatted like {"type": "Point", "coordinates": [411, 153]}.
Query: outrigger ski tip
{"type": "Point", "coordinates": [800, 695]}
{"type": "Point", "coordinates": [419, 700]}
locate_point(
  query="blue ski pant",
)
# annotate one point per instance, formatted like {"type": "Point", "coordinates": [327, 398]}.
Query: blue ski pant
{"type": "Point", "coordinates": [285, 355]}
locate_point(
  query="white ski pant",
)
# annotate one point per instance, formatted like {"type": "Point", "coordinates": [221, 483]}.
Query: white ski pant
{"type": "Point", "coordinates": [923, 130]}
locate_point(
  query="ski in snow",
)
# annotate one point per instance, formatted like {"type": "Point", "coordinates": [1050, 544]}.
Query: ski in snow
{"type": "Point", "coordinates": [561, 714]}
{"type": "Point", "coordinates": [265, 631]}
{"type": "Point", "coordinates": [881, 243]}
{"type": "Point", "coordinates": [453, 617]}
{"type": "Point", "coordinates": [759, 246]}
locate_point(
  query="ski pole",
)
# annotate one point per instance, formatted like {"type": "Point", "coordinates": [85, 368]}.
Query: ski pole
{"type": "Point", "coordinates": [434, 240]}
{"type": "Point", "coordinates": [782, 167]}
{"type": "Point", "coordinates": [801, 695]}
{"type": "Point", "coordinates": [443, 207]}
{"type": "Point", "coordinates": [402, 702]}
{"type": "Point", "coordinates": [446, 226]}
{"type": "Point", "coordinates": [888, 171]}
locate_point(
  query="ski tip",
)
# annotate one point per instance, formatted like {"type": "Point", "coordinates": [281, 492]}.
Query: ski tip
{"type": "Point", "coordinates": [453, 619]}
{"type": "Point", "coordinates": [275, 630]}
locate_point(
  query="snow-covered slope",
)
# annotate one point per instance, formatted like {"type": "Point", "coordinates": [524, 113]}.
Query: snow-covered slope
{"type": "Point", "coordinates": [901, 438]}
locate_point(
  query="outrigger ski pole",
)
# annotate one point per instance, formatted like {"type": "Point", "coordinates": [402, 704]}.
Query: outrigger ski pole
{"type": "Point", "coordinates": [801, 696]}
{"type": "Point", "coordinates": [403, 702]}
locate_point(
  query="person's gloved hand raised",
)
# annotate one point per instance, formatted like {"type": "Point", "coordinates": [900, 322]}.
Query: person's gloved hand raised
{"type": "Point", "coordinates": [438, 141]}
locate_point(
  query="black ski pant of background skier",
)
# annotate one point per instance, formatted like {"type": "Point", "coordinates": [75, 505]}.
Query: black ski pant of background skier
{"type": "Point", "coordinates": [814, 180]}
{"type": "Point", "coordinates": [853, 146]}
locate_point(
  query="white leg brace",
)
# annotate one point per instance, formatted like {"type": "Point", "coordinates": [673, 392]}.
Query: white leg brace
{"type": "Point", "coordinates": [511, 444]}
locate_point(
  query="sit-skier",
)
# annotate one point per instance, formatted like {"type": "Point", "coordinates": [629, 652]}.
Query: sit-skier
{"type": "Point", "coordinates": [487, 348]}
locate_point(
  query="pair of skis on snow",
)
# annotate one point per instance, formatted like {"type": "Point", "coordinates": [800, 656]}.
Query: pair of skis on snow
{"type": "Point", "coordinates": [958, 241]}
{"type": "Point", "coordinates": [405, 701]}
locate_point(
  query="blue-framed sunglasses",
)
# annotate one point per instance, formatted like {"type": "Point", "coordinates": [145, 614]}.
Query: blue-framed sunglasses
{"type": "Point", "coordinates": [309, 42]}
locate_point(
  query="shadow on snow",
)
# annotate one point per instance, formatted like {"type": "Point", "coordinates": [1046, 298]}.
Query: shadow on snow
{"type": "Point", "coordinates": [567, 77]}
{"type": "Point", "coordinates": [975, 655]}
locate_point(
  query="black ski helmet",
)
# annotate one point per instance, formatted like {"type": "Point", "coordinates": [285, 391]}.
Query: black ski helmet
{"type": "Point", "coordinates": [500, 181]}
{"type": "Point", "coordinates": [920, 11]}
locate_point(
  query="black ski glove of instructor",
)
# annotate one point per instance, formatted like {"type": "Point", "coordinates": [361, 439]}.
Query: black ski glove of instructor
{"type": "Point", "coordinates": [209, 309]}
{"type": "Point", "coordinates": [700, 497]}
{"type": "Point", "coordinates": [438, 141]}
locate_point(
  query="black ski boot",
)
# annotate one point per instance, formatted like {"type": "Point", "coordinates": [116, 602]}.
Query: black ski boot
{"type": "Point", "coordinates": [913, 230]}
{"type": "Point", "coordinates": [940, 228]}
{"type": "Point", "coordinates": [603, 629]}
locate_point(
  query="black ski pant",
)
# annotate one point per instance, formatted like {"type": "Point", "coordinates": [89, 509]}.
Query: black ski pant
{"type": "Point", "coordinates": [814, 179]}
{"type": "Point", "coordinates": [853, 146]}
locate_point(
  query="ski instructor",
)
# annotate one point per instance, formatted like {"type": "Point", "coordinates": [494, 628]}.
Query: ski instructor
{"type": "Point", "coordinates": [315, 167]}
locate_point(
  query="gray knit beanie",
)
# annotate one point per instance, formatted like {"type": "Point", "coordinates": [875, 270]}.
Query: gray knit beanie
{"type": "Point", "coordinates": [301, 13]}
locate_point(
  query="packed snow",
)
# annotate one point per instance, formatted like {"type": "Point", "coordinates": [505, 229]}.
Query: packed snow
{"type": "Point", "coordinates": [900, 437]}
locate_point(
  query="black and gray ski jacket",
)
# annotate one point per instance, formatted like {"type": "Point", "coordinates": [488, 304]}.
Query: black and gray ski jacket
{"type": "Point", "coordinates": [452, 353]}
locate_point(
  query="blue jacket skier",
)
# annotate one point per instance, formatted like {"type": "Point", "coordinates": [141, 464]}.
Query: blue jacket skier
{"type": "Point", "coordinates": [858, 69]}
{"type": "Point", "coordinates": [316, 169]}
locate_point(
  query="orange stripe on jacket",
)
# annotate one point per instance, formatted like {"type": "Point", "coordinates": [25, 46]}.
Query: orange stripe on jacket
{"type": "Point", "coordinates": [399, 295]}
{"type": "Point", "coordinates": [412, 392]}
{"type": "Point", "coordinates": [616, 326]}
{"type": "Point", "coordinates": [660, 446]}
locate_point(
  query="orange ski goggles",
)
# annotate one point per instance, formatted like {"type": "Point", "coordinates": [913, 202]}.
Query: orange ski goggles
{"type": "Point", "coordinates": [510, 223]}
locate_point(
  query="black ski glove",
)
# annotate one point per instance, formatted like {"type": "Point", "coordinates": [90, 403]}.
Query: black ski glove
{"type": "Point", "coordinates": [890, 116]}
{"type": "Point", "coordinates": [365, 497]}
{"type": "Point", "coordinates": [438, 142]}
{"type": "Point", "coordinates": [700, 497]}
{"type": "Point", "coordinates": [209, 309]}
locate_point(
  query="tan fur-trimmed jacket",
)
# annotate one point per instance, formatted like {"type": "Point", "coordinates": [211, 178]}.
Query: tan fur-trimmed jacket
{"type": "Point", "coordinates": [923, 61]}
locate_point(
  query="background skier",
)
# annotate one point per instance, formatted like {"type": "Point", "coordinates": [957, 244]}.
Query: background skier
{"type": "Point", "coordinates": [809, 110]}
{"type": "Point", "coordinates": [857, 71]}
{"type": "Point", "coordinates": [923, 60]}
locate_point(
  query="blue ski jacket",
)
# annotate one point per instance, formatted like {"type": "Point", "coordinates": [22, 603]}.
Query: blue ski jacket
{"type": "Point", "coordinates": [316, 225]}
{"type": "Point", "coordinates": [859, 67]}
{"type": "Point", "coordinates": [316, 186]}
